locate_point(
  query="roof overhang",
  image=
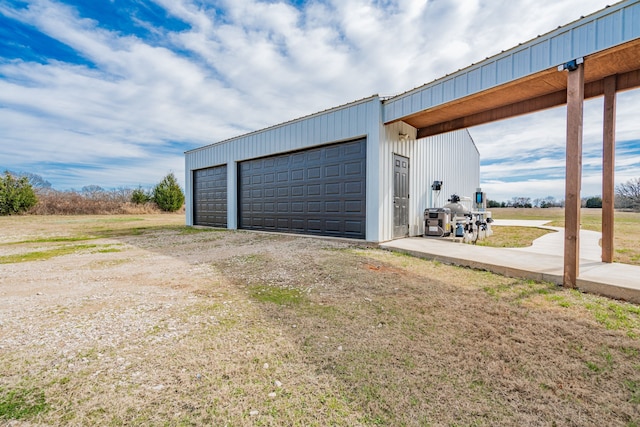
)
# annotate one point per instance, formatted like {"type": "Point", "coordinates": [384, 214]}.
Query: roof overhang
{"type": "Point", "coordinates": [539, 91]}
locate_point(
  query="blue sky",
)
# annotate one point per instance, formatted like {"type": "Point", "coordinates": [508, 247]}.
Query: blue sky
{"type": "Point", "coordinates": [112, 92]}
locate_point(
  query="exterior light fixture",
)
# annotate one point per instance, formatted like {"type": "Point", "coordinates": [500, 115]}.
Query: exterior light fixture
{"type": "Point", "coordinates": [571, 65]}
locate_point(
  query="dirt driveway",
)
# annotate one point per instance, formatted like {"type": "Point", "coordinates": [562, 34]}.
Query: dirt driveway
{"type": "Point", "coordinates": [123, 320]}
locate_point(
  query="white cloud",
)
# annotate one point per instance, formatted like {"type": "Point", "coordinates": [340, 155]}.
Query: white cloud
{"type": "Point", "coordinates": [245, 64]}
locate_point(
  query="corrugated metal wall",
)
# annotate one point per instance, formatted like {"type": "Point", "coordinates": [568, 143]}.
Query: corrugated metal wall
{"type": "Point", "coordinates": [609, 27]}
{"type": "Point", "coordinates": [452, 158]}
{"type": "Point", "coordinates": [355, 120]}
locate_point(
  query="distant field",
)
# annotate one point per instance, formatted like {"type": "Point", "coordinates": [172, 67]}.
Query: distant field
{"type": "Point", "coordinates": [626, 227]}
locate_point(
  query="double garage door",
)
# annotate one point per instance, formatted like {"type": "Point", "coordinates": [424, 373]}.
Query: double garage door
{"type": "Point", "coordinates": [316, 191]}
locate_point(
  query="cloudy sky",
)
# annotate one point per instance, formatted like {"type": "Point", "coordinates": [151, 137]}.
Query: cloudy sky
{"type": "Point", "coordinates": [112, 92]}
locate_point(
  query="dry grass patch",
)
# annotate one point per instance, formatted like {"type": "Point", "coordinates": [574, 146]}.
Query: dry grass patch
{"type": "Point", "coordinates": [249, 329]}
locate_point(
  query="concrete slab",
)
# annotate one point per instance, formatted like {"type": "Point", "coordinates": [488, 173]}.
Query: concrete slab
{"type": "Point", "coordinates": [543, 261]}
{"type": "Point", "coordinates": [553, 243]}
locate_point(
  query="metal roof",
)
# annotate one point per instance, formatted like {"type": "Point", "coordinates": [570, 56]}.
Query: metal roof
{"type": "Point", "coordinates": [608, 40]}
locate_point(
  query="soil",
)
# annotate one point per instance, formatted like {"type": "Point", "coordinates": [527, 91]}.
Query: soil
{"type": "Point", "coordinates": [142, 321]}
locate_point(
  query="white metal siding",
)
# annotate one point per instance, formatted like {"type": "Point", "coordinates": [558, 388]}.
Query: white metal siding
{"type": "Point", "coordinates": [351, 121]}
{"type": "Point", "coordinates": [604, 29]}
{"type": "Point", "coordinates": [451, 157]}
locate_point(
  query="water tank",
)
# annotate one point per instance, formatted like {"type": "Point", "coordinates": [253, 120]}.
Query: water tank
{"type": "Point", "coordinates": [457, 209]}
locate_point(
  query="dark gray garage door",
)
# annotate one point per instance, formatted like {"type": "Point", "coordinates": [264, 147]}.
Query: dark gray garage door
{"type": "Point", "coordinates": [315, 191]}
{"type": "Point", "coordinates": [210, 196]}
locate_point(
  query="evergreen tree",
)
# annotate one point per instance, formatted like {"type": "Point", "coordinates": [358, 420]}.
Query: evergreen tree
{"type": "Point", "coordinates": [168, 195]}
{"type": "Point", "coordinates": [16, 194]}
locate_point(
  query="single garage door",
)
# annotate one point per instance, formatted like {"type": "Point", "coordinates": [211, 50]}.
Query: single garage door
{"type": "Point", "coordinates": [210, 196]}
{"type": "Point", "coordinates": [316, 191]}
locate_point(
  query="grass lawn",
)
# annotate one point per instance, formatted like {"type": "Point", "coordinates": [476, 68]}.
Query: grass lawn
{"type": "Point", "coordinates": [626, 229]}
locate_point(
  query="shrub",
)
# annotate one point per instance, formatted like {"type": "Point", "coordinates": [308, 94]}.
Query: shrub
{"type": "Point", "coordinates": [52, 202]}
{"type": "Point", "coordinates": [594, 202]}
{"type": "Point", "coordinates": [168, 195]}
{"type": "Point", "coordinates": [16, 195]}
{"type": "Point", "coordinates": [140, 197]}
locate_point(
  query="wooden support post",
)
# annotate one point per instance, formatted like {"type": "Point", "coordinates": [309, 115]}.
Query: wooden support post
{"type": "Point", "coordinates": [575, 101]}
{"type": "Point", "coordinates": [608, 167]}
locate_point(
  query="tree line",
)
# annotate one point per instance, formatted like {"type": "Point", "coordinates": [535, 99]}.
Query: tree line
{"type": "Point", "coordinates": [30, 193]}
{"type": "Point", "coordinates": [627, 197]}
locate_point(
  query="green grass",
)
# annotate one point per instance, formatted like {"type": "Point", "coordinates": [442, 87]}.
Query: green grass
{"type": "Point", "coordinates": [55, 240]}
{"type": "Point", "coordinates": [276, 295]}
{"type": "Point", "coordinates": [616, 315]}
{"type": "Point", "coordinates": [99, 233]}
{"type": "Point", "coordinates": [21, 403]}
{"type": "Point", "coordinates": [43, 255]}
{"type": "Point", "coordinates": [101, 219]}
{"type": "Point", "coordinates": [634, 389]}
{"type": "Point", "coordinates": [520, 290]}
{"type": "Point", "coordinates": [109, 250]}
{"type": "Point", "coordinates": [561, 300]}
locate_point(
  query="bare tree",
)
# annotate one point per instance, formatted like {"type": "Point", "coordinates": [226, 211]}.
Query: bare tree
{"type": "Point", "coordinates": [93, 191]}
{"type": "Point", "coordinates": [629, 194]}
{"type": "Point", "coordinates": [521, 202]}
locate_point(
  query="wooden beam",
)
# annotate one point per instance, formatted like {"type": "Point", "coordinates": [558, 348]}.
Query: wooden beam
{"type": "Point", "coordinates": [519, 108]}
{"type": "Point", "coordinates": [608, 167]}
{"type": "Point", "coordinates": [575, 102]}
{"type": "Point", "coordinates": [625, 81]}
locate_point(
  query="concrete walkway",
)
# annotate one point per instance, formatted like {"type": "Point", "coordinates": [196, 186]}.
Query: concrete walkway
{"type": "Point", "coordinates": [542, 261]}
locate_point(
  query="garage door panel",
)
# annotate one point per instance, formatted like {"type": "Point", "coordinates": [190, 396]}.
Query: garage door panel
{"type": "Point", "coordinates": [314, 172]}
{"type": "Point", "coordinates": [315, 191]}
{"type": "Point", "coordinates": [331, 171]}
{"type": "Point", "coordinates": [333, 152]}
{"type": "Point", "coordinates": [314, 207]}
{"type": "Point", "coordinates": [282, 176]}
{"type": "Point", "coordinates": [353, 206]}
{"type": "Point", "coordinates": [354, 148]}
{"type": "Point", "coordinates": [332, 189]}
{"type": "Point", "coordinates": [210, 196]}
{"type": "Point", "coordinates": [354, 227]}
{"type": "Point", "coordinates": [298, 158]}
{"type": "Point", "coordinates": [353, 188]}
{"type": "Point", "coordinates": [283, 224]}
{"type": "Point", "coordinates": [297, 175]}
{"type": "Point", "coordinates": [333, 225]}
{"type": "Point", "coordinates": [314, 156]}
{"type": "Point", "coordinates": [314, 225]}
{"type": "Point", "coordinates": [297, 207]}
{"type": "Point", "coordinates": [354, 168]}
{"type": "Point", "coordinates": [297, 191]}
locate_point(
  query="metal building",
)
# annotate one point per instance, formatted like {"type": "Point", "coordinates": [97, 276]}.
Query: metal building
{"type": "Point", "coordinates": [345, 172]}
{"type": "Point", "coordinates": [340, 172]}
{"type": "Point", "coordinates": [380, 146]}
